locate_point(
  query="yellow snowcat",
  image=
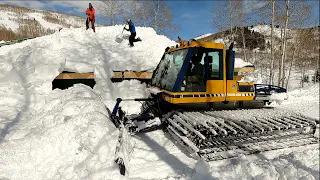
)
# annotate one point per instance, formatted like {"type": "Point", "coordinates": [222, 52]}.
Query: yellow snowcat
{"type": "Point", "coordinates": [197, 98]}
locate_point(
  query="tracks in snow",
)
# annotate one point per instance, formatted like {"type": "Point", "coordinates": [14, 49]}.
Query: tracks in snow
{"type": "Point", "coordinates": [218, 135]}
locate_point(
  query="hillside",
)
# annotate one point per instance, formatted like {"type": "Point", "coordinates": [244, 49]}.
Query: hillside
{"type": "Point", "coordinates": [257, 37]}
{"type": "Point", "coordinates": [20, 22]}
{"type": "Point", "coordinates": [302, 55]}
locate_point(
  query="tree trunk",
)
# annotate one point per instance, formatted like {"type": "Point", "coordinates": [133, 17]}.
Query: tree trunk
{"type": "Point", "coordinates": [272, 55]}
{"type": "Point", "coordinates": [244, 45]}
{"type": "Point", "coordinates": [230, 11]}
{"type": "Point", "coordinates": [156, 11]}
{"type": "Point", "coordinates": [112, 12]}
{"type": "Point", "coordinates": [281, 76]}
{"type": "Point", "coordinates": [290, 67]}
{"type": "Point", "coordinates": [279, 62]}
{"type": "Point", "coordinates": [302, 71]}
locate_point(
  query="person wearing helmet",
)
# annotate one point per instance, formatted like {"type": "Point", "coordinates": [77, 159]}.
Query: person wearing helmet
{"type": "Point", "coordinates": [132, 30]}
{"type": "Point", "coordinates": [90, 13]}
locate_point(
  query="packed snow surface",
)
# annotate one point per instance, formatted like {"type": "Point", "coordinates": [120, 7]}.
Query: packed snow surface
{"type": "Point", "coordinates": [239, 63]}
{"type": "Point", "coordinates": [67, 134]}
{"type": "Point", "coordinates": [203, 36]}
{"type": "Point", "coordinates": [266, 30]}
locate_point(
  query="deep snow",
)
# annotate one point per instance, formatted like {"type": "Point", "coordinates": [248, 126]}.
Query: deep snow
{"type": "Point", "coordinates": [55, 134]}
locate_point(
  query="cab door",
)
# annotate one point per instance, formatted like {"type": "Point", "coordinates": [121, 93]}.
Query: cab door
{"type": "Point", "coordinates": [216, 84]}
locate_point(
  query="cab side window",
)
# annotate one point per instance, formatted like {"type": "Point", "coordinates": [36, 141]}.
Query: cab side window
{"type": "Point", "coordinates": [215, 66]}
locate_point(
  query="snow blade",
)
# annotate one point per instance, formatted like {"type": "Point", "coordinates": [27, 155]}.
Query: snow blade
{"type": "Point", "coordinates": [119, 38]}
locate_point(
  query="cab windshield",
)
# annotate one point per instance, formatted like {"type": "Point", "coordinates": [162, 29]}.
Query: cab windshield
{"type": "Point", "coordinates": [167, 71]}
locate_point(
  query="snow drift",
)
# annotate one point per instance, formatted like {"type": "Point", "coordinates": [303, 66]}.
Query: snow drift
{"type": "Point", "coordinates": [55, 134]}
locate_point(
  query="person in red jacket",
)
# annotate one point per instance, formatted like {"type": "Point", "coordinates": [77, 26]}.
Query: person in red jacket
{"type": "Point", "coordinates": [90, 13]}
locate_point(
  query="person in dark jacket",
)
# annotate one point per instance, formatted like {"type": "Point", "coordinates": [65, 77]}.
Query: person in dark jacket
{"type": "Point", "coordinates": [90, 13]}
{"type": "Point", "coordinates": [132, 30]}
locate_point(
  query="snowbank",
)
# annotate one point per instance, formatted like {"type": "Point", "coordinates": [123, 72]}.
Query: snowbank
{"type": "Point", "coordinates": [302, 164]}
{"type": "Point", "coordinates": [33, 64]}
{"type": "Point", "coordinates": [80, 50]}
{"type": "Point", "coordinates": [70, 137]}
{"type": "Point", "coordinates": [54, 134]}
{"type": "Point", "coordinates": [305, 101]}
{"type": "Point", "coordinates": [239, 63]}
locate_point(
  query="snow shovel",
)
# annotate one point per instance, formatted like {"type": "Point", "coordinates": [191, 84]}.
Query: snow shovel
{"type": "Point", "coordinates": [119, 37]}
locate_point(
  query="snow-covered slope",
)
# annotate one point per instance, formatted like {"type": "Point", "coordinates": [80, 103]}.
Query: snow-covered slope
{"type": "Point", "coordinates": [57, 134]}
{"type": "Point", "coordinates": [12, 17]}
{"type": "Point", "coordinates": [203, 36]}
{"type": "Point", "coordinates": [67, 134]}
{"type": "Point", "coordinates": [266, 30]}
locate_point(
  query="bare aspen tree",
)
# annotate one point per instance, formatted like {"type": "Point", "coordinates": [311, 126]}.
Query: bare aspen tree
{"type": "Point", "coordinates": [271, 43]}
{"type": "Point", "coordinates": [131, 10]}
{"type": "Point", "coordinates": [162, 20]}
{"type": "Point", "coordinates": [156, 12]}
{"type": "Point", "coordinates": [110, 10]}
{"type": "Point", "coordinates": [283, 55]}
{"type": "Point", "coordinates": [145, 13]}
{"type": "Point", "coordinates": [241, 17]}
{"type": "Point", "coordinates": [231, 19]}
{"type": "Point", "coordinates": [299, 17]}
{"type": "Point", "coordinates": [220, 19]}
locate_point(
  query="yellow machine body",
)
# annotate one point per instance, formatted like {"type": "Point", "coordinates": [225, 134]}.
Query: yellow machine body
{"type": "Point", "coordinates": [216, 90]}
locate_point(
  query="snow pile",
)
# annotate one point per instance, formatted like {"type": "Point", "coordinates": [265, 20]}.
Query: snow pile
{"type": "Point", "coordinates": [254, 77]}
{"type": "Point", "coordinates": [80, 50]}
{"type": "Point", "coordinates": [68, 137]}
{"type": "Point", "coordinates": [239, 63]}
{"type": "Point", "coordinates": [54, 134]}
{"type": "Point", "coordinates": [278, 97]}
{"type": "Point", "coordinates": [33, 64]}
{"type": "Point", "coordinates": [251, 77]}
{"type": "Point", "coordinates": [302, 164]}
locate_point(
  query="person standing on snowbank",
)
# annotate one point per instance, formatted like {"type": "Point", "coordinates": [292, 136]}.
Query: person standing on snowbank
{"type": "Point", "coordinates": [90, 13]}
{"type": "Point", "coordinates": [132, 30]}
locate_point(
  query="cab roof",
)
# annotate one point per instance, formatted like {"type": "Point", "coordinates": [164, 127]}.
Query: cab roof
{"type": "Point", "coordinates": [190, 44]}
